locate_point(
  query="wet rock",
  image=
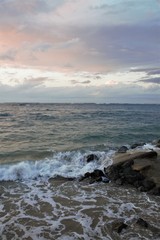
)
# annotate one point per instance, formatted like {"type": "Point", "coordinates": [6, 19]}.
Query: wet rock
{"type": "Point", "coordinates": [135, 145]}
{"type": "Point", "coordinates": [142, 223]}
{"type": "Point", "coordinates": [132, 177]}
{"type": "Point", "coordinates": [122, 149]}
{"type": "Point", "coordinates": [147, 185]}
{"type": "Point", "coordinates": [158, 144]}
{"type": "Point", "coordinates": [151, 154]}
{"type": "Point", "coordinates": [97, 179]}
{"type": "Point", "coordinates": [119, 226]}
{"type": "Point", "coordinates": [86, 175]}
{"type": "Point", "coordinates": [96, 176]}
{"type": "Point", "coordinates": [112, 172]}
{"type": "Point", "coordinates": [97, 173]}
{"type": "Point", "coordinates": [155, 191]}
{"type": "Point", "coordinates": [91, 157]}
{"type": "Point", "coordinates": [128, 163]}
{"type": "Point", "coordinates": [123, 173]}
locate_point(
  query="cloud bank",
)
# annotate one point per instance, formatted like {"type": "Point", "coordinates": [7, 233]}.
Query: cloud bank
{"type": "Point", "coordinates": [70, 45]}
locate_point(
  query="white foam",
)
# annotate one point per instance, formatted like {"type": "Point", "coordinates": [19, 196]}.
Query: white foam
{"type": "Point", "coordinates": [67, 164]}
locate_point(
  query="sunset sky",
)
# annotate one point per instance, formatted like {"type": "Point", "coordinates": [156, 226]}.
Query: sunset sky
{"type": "Point", "coordinates": [102, 51]}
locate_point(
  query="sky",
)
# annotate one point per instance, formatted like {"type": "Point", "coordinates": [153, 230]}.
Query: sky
{"type": "Point", "coordinates": [101, 51]}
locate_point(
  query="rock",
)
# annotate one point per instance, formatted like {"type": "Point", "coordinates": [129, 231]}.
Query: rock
{"type": "Point", "coordinates": [112, 172]}
{"type": "Point", "coordinates": [123, 173]}
{"type": "Point", "coordinates": [128, 163]}
{"type": "Point", "coordinates": [151, 154]}
{"type": "Point", "coordinates": [155, 191]}
{"type": "Point", "coordinates": [91, 157]}
{"type": "Point", "coordinates": [96, 176]}
{"type": "Point", "coordinates": [142, 223]}
{"type": "Point", "coordinates": [134, 156]}
{"type": "Point", "coordinates": [97, 173]}
{"type": "Point", "coordinates": [86, 175]}
{"type": "Point", "coordinates": [119, 226]}
{"type": "Point", "coordinates": [132, 177]}
{"type": "Point", "coordinates": [142, 168]}
{"type": "Point", "coordinates": [135, 145]}
{"type": "Point", "coordinates": [122, 149]}
{"type": "Point", "coordinates": [147, 185]}
{"type": "Point", "coordinates": [93, 180]}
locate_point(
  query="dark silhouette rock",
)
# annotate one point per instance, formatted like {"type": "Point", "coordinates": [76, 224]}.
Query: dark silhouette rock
{"type": "Point", "coordinates": [135, 145]}
{"type": "Point", "coordinates": [151, 154]}
{"type": "Point", "coordinates": [97, 179]}
{"type": "Point", "coordinates": [122, 149]}
{"type": "Point", "coordinates": [97, 173]}
{"type": "Point", "coordinates": [142, 223]}
{"type": "Point", "coordinates": [118, 226]}
{"type": "Point", "coordinates": [158, 143]}
{"type": "Point", "coordinates": [91, 157]}
{"type": "Point", "coordinates": [155, 191]}
{"type": "Point", "coordinates": [122, 173]}
{"type": "Point", "coordinates": [96, 176]}
{"type": "Point", "coordinates": [147, 185]}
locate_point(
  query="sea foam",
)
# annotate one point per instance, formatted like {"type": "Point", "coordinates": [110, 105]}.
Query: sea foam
{"type": "Point", "coordinates": [66, 164]}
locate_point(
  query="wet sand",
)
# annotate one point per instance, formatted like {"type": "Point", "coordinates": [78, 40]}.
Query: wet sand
{"type": "Point", "coordinates": [61, 209]}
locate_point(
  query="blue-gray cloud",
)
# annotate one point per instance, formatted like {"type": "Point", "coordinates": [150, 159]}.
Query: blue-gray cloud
{"type": "Point", "coordinates": [152, 80]}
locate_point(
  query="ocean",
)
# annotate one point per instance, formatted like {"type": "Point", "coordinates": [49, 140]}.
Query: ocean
{"type": "Point", "coordinates": [43, 145]}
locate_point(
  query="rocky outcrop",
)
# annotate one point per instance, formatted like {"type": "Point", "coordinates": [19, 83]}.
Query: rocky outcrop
{"type": "Point", "coordinates": [139, 169]}
{"type": "Point", "coordinates": [122, 149]}
{"type": "Point", "coordinates": [135, 145]}
{"type": "Point", "coordinates": [158, 144]}
{"type": "Point", "coordinates": [95, 176]}
{"type": "Point", "coordinates": [91, 157]}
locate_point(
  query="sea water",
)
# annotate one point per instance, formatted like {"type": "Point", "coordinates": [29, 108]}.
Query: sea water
{"type": "Point", "coordinates": [39, 142]}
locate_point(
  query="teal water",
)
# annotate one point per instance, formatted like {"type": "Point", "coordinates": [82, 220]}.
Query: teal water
{"type": "Point", "coordinates": [33, 131]}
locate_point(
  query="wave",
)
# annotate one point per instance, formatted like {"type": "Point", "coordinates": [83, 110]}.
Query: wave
{"type": "Point", "coordinates": [68, 164]}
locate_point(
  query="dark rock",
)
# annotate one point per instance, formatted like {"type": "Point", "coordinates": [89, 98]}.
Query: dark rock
{"type": "Point", "coordinates": [97, 173]}
{"type": "Point", "coordinates": [87, 174]}
{"type": "Point", "coordinates": [150, 154]}
{"type": "Point", "coordinates": [91, 157]}
{"type": "Point", "coordinates": [135, 145]}
{"type": "Point", "coordinates": [142, 223]}
{"type": "Point", "coordinates": [147, 185]}
{"type": "Point", "coordinates": [93, 180]}
{"type": "Point", "coordinates": [95, 176]}
{"type": "Point", "coordinates": [112, 172]}
{"type": "Point", "coordinates": [119, 226]}
{"type": "Point", "coordinates": [133, 176]}
{"type": "Point", "coordinates": [128, 163]}
{"type": "Point", "coordinates": [155, 191]}
{"type": "Point", "coordinates": [119, 181]}
{"type": "Point", "coordinates": [124, 172]}
{"type": "Point", "coordinates": [137, 184]}
{"type": "Point", "coordinates": [122, 149]}
{"type": "Point", "coordinates": [158, 145]}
